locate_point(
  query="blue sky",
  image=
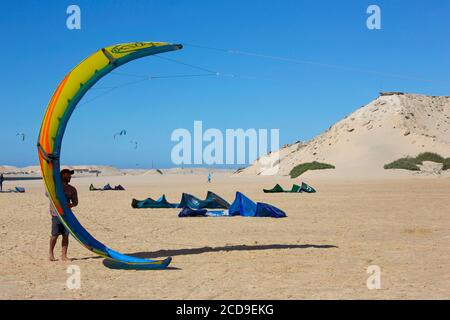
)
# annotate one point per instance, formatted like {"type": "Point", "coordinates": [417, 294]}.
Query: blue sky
{"type": "Point", "coordinates": [301, 100]}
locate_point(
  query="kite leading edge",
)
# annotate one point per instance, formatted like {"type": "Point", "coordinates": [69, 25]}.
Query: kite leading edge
{"type": "Point", "coordinates": [66, 97]}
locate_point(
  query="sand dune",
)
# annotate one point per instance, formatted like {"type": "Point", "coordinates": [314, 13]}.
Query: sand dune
{"type": "Point", "coordinates": [393, 126]}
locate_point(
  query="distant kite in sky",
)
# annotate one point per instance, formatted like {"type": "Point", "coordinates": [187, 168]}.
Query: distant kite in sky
{"type": "Point", "coordinates": [121, 133]}
{"type": "Point", "coordinates": [135, 143]}
{"type": "Point", "coordinates": [21, 134]}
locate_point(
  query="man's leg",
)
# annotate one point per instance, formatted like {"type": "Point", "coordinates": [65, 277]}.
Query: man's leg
{"type": "Point", "coordinates": [65, 246]}
{"type": "Point", "coordinates": [53, 240]}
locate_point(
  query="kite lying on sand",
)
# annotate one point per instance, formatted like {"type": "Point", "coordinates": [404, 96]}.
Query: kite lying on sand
{"type": "Point", "coordinates": [194, 207]}
{"type": "Point", "coordinates": [242, 206]}
{"type": "Point", "coordinates": [107, 187]}
{"type": "Point", "coordinates": [212, 201]}
{"type": "Point", "coordinates": [295, 189]}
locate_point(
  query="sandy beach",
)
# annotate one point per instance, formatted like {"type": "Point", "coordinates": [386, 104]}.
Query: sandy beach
{"type": "Point", "coordinates": [300, 150]}
{"type": "Point", "coordinates": [320, 251]}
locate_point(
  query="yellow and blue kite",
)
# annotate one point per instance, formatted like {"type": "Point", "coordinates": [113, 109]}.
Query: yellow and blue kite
{"type": "Point", "coordinates": [66, 97]}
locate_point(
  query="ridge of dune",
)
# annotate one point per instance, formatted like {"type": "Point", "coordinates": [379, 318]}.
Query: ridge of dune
{"type": "Point", "coordinates": [392, 126]}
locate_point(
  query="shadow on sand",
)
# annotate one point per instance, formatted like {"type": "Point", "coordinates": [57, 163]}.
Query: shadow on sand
{"type": "Point", "coordinates": [192, 251]}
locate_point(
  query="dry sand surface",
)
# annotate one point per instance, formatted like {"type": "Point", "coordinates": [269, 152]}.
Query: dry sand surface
{"type": "Point", "coordinates": [322, 250]}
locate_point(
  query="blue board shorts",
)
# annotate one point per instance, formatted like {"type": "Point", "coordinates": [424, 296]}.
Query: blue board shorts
{"type": "Point", "coordinates": [58, 228]}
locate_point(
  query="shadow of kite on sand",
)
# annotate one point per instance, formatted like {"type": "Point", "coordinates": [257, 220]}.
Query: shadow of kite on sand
{"type": "Point", "coordinates": [192, 251]}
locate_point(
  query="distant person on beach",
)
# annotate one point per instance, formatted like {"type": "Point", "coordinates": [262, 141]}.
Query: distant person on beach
{"type": "Point", "coordinates": [209, 177]}
{"type": "Point", "coordinates": [1, 182]}
{"type": "Point", "coordinates": [57, 226]}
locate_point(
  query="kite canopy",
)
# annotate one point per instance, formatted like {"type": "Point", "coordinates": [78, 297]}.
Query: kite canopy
{"type": "Point", "coordinates": [295, 189]}
{"type": "Point", "coordinates": [135, 143]}
{"type": "Point", "coordinates": [66, 97]}
{"type": "Point", "coordinates": [307, 188]}
{"type": "Point", "coordinates": [21, 134]}
{"type": "Point", "coordinates": [188, 212]}
{"type": "Point", "coordinates": [212, 201]}
{"type": "Point", "coordinates": [243, 206]}
{"type": "Point", "coordinates": [120, 133]}
{"type": "Point", "coordinates": [276, 189]}
{"type": "Point", "coordinates": [153, 204]}
{"type": "Point", "coordinates": [107, 187]}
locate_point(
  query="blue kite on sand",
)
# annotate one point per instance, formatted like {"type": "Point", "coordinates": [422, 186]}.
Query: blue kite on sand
{"type": "Point", "coordinates": [242, 206]}
{"type": "Point", "coordinates": [212, 201]}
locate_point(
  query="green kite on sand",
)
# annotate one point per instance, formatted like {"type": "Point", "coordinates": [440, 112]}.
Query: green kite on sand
{"type": "Point", "coordinates": [295, 189]}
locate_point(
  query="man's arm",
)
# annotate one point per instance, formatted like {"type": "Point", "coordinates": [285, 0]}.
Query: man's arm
{"type": "Point", "coordinates": [74, 200]}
